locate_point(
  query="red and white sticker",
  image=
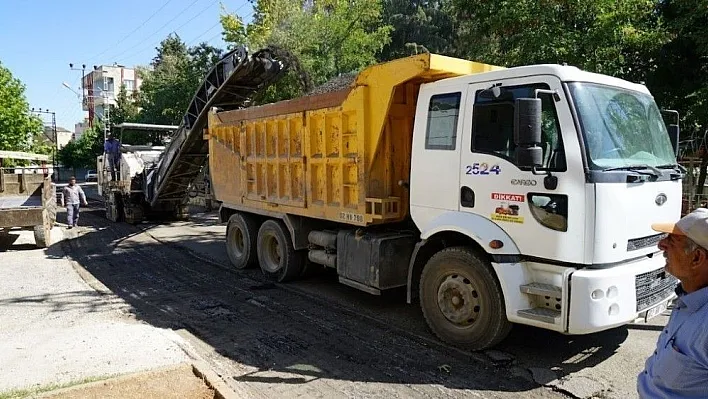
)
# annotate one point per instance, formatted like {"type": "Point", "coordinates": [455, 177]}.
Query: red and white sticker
{"type": "Point", "coordinates": [508, 197]}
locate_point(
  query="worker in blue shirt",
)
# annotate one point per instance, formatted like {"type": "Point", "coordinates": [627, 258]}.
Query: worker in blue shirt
{"type": "Point", "coordinates": [111, 148]}
{"type": "Point", "coordinates": [678, 368]}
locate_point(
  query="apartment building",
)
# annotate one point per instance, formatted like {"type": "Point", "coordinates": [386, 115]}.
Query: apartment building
{"type": "Point", "coordinates": [63, 136]}
{"type": "Point", "coordinates": [102, 86]}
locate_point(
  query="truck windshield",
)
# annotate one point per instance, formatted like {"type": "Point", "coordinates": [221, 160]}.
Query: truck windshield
{"type": "Point", "coordinates": [621, 128]}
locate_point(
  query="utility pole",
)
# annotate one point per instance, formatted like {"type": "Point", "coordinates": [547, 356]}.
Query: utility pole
{"type": "Point", "coordinates": [55, 139]}
{"type": "Point", "coordinates": [83, 88]}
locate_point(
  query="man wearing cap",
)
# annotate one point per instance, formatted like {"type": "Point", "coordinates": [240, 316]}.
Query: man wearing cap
{"type": "Point", "coordinates": [112, 150]}
{"type": "Point", "coordinates": [678, 368]}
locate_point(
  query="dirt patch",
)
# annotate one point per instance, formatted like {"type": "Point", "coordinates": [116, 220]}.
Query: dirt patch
{"type": "Point", "coordinates": [172, 383]}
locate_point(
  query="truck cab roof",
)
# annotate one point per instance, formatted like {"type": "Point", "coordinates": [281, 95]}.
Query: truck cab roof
{"type": "Point", "coordinates": [565, 73]}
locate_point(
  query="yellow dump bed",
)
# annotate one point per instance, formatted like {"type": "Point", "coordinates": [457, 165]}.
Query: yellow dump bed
{"type": "Point", "coordinates": [336, 156]}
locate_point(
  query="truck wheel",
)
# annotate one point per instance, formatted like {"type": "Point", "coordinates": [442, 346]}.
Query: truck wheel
{"type": "Point", "coordinates": [278, 259]}
{"type": "Point", "coordinates": [461, 300]}
{"type": "Point", "coordinates": [42, 236]}
{"type": "Point", "coordinates": [241, 236]}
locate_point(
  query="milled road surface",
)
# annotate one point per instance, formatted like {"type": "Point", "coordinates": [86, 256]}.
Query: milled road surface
{"type": "Point", "coordinates": [267, 340]}
{"type": "Point", "coordinates": [603, 365]}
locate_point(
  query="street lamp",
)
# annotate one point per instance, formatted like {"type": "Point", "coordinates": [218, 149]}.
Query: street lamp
{"type": "Point", "coordinates": [74, 91]}
{"type": "Point", "coordinates": [56, 141]}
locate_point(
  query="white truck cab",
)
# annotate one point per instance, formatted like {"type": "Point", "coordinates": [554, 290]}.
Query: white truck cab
{"type": "Point", "coordinates": [557, 174]}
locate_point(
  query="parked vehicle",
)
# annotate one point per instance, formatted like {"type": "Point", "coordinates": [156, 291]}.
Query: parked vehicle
{"type": "Point", "coordinates": [495, 196]}
{"type": "Point", "coordinates": [27, 199]}
{"type": "Point", "coordinates": [91, 175]}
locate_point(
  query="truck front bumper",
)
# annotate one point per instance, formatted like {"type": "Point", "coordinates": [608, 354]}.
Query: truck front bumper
{"type": "Point", "coordinates": [601, 299]}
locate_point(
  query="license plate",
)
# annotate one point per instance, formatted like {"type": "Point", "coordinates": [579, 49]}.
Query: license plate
{"type": "Point", "coordinates": [655, 311]}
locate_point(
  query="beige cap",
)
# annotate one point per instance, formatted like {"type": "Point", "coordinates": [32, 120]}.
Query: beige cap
{"type": "Point", "coordinates": [694, 226]}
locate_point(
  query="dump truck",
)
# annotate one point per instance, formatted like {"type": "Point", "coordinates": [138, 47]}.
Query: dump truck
{"type": "Point", "coordinates": [493, 195]}
{"type": "Point", "coordinates": [27, 199]}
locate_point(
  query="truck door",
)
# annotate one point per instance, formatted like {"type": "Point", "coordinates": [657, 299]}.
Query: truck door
{"type": "Point", "coordinates": [545, 222]}
{"type": "Point", "coordinates": [434, 180]}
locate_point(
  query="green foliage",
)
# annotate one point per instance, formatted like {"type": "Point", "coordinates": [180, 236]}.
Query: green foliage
{"type": "Point", "coordinates": [176, 73]}
{"type": "Point", "coordinates": [326, 38]}
{"type": "Point", "coordinates": [126, 110]}
{"type": "Point", "coordinates": [41, 144]}
{"type": "Point", "coordinates": [82, 153]}
{"type": "Point", "coordinates": [680, 80]}
{"type": "Point", "coordinates": [604, 36]}
{"type": "Point", "coordinates": [419, 25]}
{"type": "Point", "coordinates": [17, 125]}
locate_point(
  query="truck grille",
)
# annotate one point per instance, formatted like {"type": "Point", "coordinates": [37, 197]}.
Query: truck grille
{"type": "Point", "coordinates": [643, 242]}
{"type": "Point", "coordinates": [653, 287]}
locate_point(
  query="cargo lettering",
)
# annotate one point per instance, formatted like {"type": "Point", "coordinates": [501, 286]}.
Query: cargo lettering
{"type": "Point", "coordinates": [519, 182]}
{"type": "Point", "coordinates": [508, 197]}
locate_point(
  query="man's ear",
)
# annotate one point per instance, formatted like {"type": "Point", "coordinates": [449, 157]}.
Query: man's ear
{"type": "Point", "coordinates": [700, 256]}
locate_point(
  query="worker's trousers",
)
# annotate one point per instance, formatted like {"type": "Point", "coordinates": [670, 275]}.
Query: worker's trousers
{"type": "Point", "coordinates": [72, 214]}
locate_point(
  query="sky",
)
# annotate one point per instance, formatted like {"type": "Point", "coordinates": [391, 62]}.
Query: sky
{"type": "Point", "coordinates": [40, 38]}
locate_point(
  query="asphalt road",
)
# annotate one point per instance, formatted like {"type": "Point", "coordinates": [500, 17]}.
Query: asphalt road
{"type": "Point", "coordinates": [178, 275]}
{"type": "Point", "coordinates": [270, 340]}
{"type": "Point", "coordinates": [602, 365]}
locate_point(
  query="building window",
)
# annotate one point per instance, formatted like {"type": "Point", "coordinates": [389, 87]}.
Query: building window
{"type": "Point", "coordinates": [443, 115]}
{"type": "Point", "coordinates": [493, 125]}
{"type": "Point", "coordinates": [110, 87]}
{"type": "Point", "coordinates": [129, 84]}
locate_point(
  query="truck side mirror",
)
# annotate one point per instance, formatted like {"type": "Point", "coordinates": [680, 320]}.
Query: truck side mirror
{"type": "Point", "coordinates": [674, 137]}
{"type": "Point", "coordinates": [527, 132]}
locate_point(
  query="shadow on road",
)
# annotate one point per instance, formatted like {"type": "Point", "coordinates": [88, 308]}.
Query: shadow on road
{"type": "Point", "coordinates": [311, 329]}
{"type": "Point", "coordinates": [8, 238]}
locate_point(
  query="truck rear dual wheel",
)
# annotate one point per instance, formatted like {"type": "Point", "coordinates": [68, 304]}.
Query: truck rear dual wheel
{"type": "Point", "coordinates": [462, 301]}
{"type": "Point", "coordinates": [278, 259]}
{"type": "Point", "coordinates": [241, 241]}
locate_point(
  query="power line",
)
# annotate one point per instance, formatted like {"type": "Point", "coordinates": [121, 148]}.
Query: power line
{"type": "Point", "coordinates": [159, 29]}
{"type": "Point", "coordinates": [150, 47]}
{"type": "Point", "coordinates": [245, 3]}
{"type": "Point", "coordinates": [133, 31]}
{"type": "Point", "coordinates": [203, 33]}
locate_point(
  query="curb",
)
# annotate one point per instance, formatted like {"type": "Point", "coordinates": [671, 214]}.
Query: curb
{"type": "Point", "coordinates": [199, 366]}
{"type": "Point", "coordinates": [199, 370]}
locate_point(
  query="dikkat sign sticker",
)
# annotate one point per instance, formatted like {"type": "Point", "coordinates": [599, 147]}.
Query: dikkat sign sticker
{"type": "Point", "coordinates": [506, 212]}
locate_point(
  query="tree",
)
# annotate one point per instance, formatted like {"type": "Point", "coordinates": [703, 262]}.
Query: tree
{"type": "Point", "coordinates": [604, 36]}
{"type": "Point", "coordinates": [17, 125]}
{"type": "Point", "coordinates": [82, 153]}
{"type": "Point", "coordinates": [419, 25]}
{"type": "Point", "coordinates": [680, 80]}
{"type": "Point", "coordinates": [326, 38]}
{"type": "Point", "coordinates": [125, 109]}
{"type": "Point", "coordinates": [176, 73]}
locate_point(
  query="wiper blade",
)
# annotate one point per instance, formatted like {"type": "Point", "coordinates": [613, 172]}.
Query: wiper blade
{"type": "Point", "coordinates": [680, 167]}
{"type": "Point", "coordinates": [637, 168]}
